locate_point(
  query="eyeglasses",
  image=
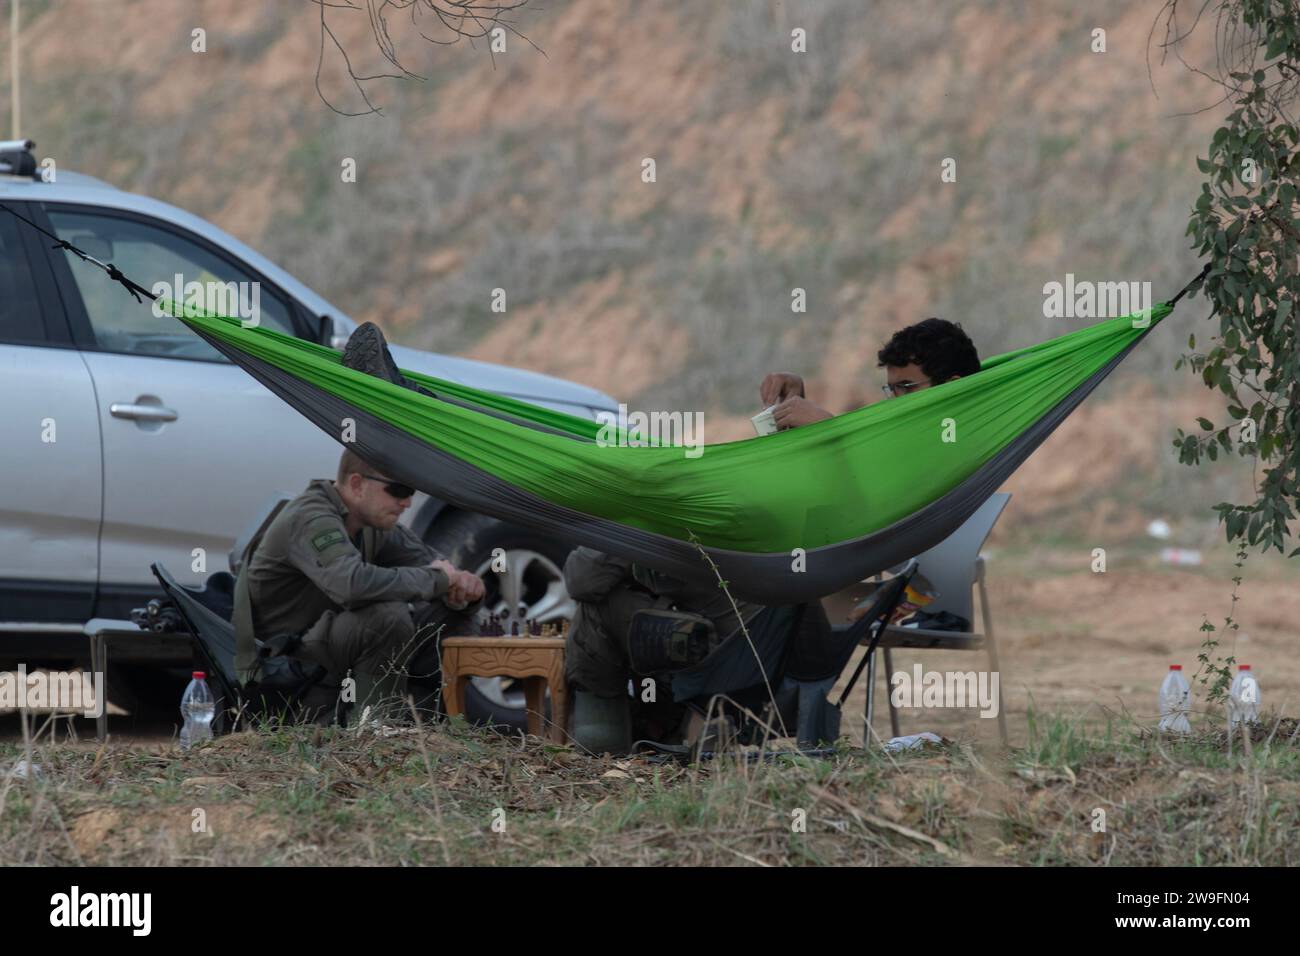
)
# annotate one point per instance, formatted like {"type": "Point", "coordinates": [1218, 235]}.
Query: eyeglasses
{"type": "Point", "coordinates": [903, 388]}
{"type": "Point", "coordinates": [394, 488]}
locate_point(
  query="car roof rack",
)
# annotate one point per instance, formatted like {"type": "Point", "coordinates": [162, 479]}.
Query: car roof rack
{"type": "Point", "coordinates": [16, 158]}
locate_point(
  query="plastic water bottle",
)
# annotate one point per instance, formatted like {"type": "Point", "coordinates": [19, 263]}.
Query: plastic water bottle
{"type": "Point", "coordinates": [198, 708]}
{"type": "Point", "coordinates": [1175, 702]}
{"type": "Point", "coordinates": [1243, 698]}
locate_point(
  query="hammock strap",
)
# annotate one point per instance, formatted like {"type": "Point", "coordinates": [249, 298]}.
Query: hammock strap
{"type": "Point", "coordinates": [1188, 288]}
{"type": "Point", "coordinates": [112, 271]}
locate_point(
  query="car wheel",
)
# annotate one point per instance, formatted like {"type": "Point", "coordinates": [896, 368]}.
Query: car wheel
{"type": "Point", "coordinates": [530, 588]}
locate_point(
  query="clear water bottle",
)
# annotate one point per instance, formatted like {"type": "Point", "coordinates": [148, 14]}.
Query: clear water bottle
{"type": "Point", "coordinates": [198, 708]}
{"type": "Point", "coordinates": [1243, 698]}
{"type": "Point", "coordinates": [1175, 702]}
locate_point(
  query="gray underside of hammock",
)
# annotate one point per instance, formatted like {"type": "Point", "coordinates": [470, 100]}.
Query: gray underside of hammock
{"type": "Point", "coordinates": [762, 578]}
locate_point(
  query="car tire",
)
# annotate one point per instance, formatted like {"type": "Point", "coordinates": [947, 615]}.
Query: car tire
{"type": "Point", "coordinates": [469, 541]}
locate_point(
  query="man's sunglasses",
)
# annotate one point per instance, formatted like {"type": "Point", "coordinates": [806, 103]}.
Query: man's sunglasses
{"type": "Point", "coordinates": [394, 488]}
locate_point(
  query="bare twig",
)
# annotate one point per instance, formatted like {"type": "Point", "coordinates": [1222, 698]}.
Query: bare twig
{"type": "Point", "coordinates": [433, 783]}
{"type": "Point", "coordinates": [743, 629]}
{"type": "Point", "coordinates": [449, 20]}
{"type": "Point", "coordinates": [870, 819]}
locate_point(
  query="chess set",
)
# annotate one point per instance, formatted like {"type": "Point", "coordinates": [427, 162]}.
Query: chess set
{"type": "Point", "coordinates": [496, 626]}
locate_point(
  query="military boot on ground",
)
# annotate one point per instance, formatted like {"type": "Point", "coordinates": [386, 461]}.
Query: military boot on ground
{"type": "Point", "coordinates": [602, 724]}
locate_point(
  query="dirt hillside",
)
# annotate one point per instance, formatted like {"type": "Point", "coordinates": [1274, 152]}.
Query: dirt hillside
{"type": "Point", "coordinates": [775, 170]}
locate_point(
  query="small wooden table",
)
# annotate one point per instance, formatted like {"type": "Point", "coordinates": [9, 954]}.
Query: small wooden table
{"type": "Point", "coordinates": [537, 661]}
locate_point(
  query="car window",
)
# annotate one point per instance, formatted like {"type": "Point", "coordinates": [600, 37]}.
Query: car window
{"type": "Point", "coordinates": [20, 313]}
{"type": "Point", "coordinates": [149, 254]}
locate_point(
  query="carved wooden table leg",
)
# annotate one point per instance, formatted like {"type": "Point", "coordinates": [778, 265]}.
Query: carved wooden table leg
{"type": "Point", "coordinates": [535, 700]}
{"type": "Point", "coordinates": [453, 682]}
{"type": "Point", "coordinates": [557, 732]}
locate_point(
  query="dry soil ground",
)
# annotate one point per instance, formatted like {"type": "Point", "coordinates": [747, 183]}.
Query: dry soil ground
{"type": "Point", "coordinates": [1087, 649]}
{"type": "Point", "coordinates": [1080, 643]}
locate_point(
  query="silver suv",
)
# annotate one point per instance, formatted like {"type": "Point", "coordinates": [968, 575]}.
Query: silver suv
{"type": "Point", "coordinates": [126, 439]}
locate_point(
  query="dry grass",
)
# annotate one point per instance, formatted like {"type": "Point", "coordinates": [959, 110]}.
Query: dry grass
{"type": "Point", "coordinates": [304, 796]}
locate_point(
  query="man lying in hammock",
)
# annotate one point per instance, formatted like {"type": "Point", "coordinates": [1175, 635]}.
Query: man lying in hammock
{"type": "Point", "coordinates": [927, 353]}
{"type": "Point", "coordinates": [609, 589]}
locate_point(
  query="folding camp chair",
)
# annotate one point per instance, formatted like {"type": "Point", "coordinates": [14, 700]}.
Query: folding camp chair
{"type": "Point", "coordinates": [206, 616]}
{"type": "Point", "coordinates": [769, 666]}
{"type": "Point", "coordinates": [286, 682]}
{"type": "Point", "coordinates": [955, 567]}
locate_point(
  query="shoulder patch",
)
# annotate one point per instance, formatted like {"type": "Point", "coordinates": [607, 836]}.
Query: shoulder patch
{"type": "Point", "coordinates": [327, 538]}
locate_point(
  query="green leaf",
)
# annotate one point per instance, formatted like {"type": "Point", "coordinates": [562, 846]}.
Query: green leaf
{"type": "Point", "coordinates": [1283, 313]}
{"type": "Point", "coordinates": [1205, 424]}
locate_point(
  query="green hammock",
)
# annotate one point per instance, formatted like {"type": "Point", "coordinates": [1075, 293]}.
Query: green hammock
{"type": "Point", "coordinates": [785, 517]}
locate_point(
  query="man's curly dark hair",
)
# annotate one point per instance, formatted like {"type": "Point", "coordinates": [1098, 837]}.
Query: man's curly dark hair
{"type": "Point", "coordinates": [940, 347]}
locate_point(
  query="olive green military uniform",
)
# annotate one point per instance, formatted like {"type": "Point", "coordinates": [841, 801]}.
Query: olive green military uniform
{"type": "Point", "coordinates": [355, 601]}
{"type": "Point", "coordinates": [609, 590]}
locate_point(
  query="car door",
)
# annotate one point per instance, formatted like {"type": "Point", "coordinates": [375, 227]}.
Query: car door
{"type": "Point", "coordinates": [193, 445]}
{"type": "Point", "coordinates": [50, 470]}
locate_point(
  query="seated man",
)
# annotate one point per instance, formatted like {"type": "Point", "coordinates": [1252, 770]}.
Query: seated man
{"type": "Point", "coordinates": [608, 590]}
{"type": "Point", "coordinates": [363, 592]}
{"type": "Point", "coordinates": [927, 353]}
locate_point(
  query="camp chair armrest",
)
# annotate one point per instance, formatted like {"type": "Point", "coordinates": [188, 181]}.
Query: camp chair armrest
{"type": "Point", "coordinates": [924, 637]}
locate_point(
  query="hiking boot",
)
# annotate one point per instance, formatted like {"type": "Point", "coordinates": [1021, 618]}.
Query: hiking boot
{"type": "Point", "coordinates": [661, 641]}
{"type": "Point", "coordinates": [602, 724]}
{"type": "Point", "coordinates": [712, 737]}
{"type": "Point", "coordinates": [367, 351]}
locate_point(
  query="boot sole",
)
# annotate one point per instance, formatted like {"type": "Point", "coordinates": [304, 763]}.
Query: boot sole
{"type": "Point", "coordinates": [367, 352]}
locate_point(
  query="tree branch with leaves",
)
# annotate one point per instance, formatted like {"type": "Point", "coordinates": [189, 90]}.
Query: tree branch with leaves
{"type": "Point", "coordinates": [1245, 221]}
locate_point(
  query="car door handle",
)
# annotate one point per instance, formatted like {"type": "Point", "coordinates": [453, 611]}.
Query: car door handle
{"type": "Point", "coordinates": [142, 413]}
